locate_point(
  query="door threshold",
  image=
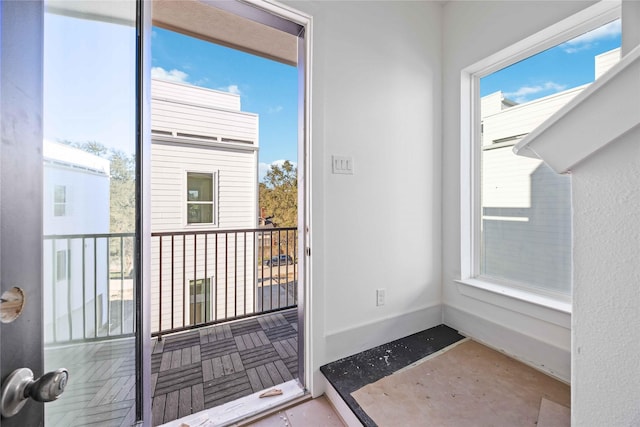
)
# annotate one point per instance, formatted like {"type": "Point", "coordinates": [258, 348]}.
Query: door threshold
{"type": "Point", "coordinates": [242, 408]}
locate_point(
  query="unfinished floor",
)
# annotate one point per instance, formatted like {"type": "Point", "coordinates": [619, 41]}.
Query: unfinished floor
{"type": "Point", "coordinates": [437, 377]}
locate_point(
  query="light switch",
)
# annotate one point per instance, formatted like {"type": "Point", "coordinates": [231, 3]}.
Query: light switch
{"type": "Point", "coordinates": [342, 165]}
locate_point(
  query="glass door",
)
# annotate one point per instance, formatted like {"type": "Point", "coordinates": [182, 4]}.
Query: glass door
{"type": "Point", "coordinates": [89, 209]}
{"type": "Point", "coordinates": [70, 214]}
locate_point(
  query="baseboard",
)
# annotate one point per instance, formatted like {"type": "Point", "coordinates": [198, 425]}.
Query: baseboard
{"type": "Point", "coordinates": [540, 355]}
{"type": "Point", "coordinates": [343, 410]}
{"type": "Point", "coordinates": [363, 337]}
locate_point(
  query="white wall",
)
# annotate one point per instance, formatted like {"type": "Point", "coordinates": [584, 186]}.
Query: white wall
{"type": "Point", "coordinates": [537, 335]}
{"type": "Point", "coordinates": [376, 97]}
{"type": "Point", "coordinates": [606, 345]}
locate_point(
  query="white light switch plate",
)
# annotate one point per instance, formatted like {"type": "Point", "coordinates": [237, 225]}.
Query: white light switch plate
{"type": "Point", "coordinates": [342, 165]}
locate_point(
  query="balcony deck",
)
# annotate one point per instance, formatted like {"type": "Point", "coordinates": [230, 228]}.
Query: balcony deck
{"type": "Point", "coordinates": [191, 371]}
{"type": "Point", "coordinates": [200, 369]}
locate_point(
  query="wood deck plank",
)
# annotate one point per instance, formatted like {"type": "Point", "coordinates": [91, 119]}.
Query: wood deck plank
{"type": "Point", "coordinates": [248, 342]}
{"type": "Point", "coordinates": [227, 364]}
{"type": "Point", "coordinates": [218, 368]}
{"type": "Point", "coordinates": [265, 378]}
{"type": "Point", "coordinates": [207, 370]}
{"type": "Point", "coordinates": [130, 418]}
{"type": "Point", "coordinates": [176, 359]}
{"type": "Point", "coordinates": [113, 391]}
{"type": "Point", "coordinates": [227, 331]}
{"type": "Point", "coordinates": [184, 403]}
{"type": "Point", "coordinates": [283, 370]}
{"type": "Point", "coordinates": [236, 361]}
{"type": "Point", "coordinates": [274, 373]}
{"type": "Point", "coordinates": [263, 338]}
{"type": "Point", "coordinates": [126, 392]}
{"type": "Point", "coordinates": [240, 343]}
{"type": "Point", "coordinates": [254, 380]}
{"type": "Point", "coordinates": [197, 398]}
{"type": "Point", "coordinates": [171, 406]}
{"type": "Point", "coordinates": [166, 361]}
{"type": "Point", "coordinates": [157, 409]}
{"type": "Point", "coordinates": [195, 354]}
{"type": "Point", "coordinates": [186, 356]}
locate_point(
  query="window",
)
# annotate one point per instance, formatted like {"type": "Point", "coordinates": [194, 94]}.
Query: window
{"type": "Point", "coordinates": [59, 200]}
{"type": "Point", "coordinates": [200, 198]}
{"type": "Point", "coordinates": [516, 210]}
{"type": "Point", "coordinates": [61, 265]}
{"type": "Point", "coordinates": [200, 300]}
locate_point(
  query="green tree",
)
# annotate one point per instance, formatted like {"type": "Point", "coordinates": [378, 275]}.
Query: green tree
{"type": "Point", "coordinates": [122, 198]}
{"type": "Point", "coordinates": [278, 194]}
{"type": "Point", "coordinates": [122, 192]}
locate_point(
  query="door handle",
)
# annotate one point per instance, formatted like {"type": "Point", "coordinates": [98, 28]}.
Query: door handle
{"type": "Point", "coordinates": [20, 386]}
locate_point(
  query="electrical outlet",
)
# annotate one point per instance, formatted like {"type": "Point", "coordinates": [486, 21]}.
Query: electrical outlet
{"type": "Point", "coordinates": [380, 293]}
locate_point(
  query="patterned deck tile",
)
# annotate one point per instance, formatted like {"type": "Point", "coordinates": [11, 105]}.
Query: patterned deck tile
{"type": "Point", "coordinates": [218, 348]}
{"type": "Point", "coordinates": [258, 356]}
{"type": "Point", "coordinates": [215, 365]}
{"type": "Point", "coordinates": [280, 332]}
{"type": "Point", "coordinates": [175, 379]}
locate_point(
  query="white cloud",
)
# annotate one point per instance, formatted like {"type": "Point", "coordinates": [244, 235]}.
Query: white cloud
{"type": "Point", "coordinates": [275, 110]}
{"type": "Point", "coordinates": [231, 89]}
{"type": "Point", "coordinates": [587, 40]}
{"type": "Point", "coordinates": [172, 76]}
{"type": "Point", "coordinates": [263, 168]}
{"type": "Point", "coordinates": [524, 93]}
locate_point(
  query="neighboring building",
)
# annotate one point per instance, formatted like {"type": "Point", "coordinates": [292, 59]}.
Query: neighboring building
{"type": "Point", "coordinates": [75, 202]}
{"type": "Point", "coordinates": [203, 178]}
{"type": "Point", "coordinates": [526, 219]}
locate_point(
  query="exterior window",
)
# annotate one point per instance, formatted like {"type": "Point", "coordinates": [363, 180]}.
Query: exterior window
{"type": "Point", "coordinates": [520, 209]}
{"type": "Point", "coordinates": [200, 194]}
{"type": "Point", "coordinates": [200, 300]}
{"type": "Point", "coordinates": [59, 200]}
{"type": "Point", "coordinates": [61, 265]}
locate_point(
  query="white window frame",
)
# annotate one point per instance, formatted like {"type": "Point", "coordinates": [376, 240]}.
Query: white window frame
{"type": "Point", "coordinates": [470, 151]}
{"type": "Point", "coordinates": [185, 203]}
{"type": "Point", "coordinates": [67, 201]}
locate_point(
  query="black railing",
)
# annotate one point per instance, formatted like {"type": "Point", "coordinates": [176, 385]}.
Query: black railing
{"type": "Point", "coordinates": [197, 278]}
{"type": "Point", "coordinates": [206, 277]}
{"type": "Point", "coordinates": [88, 290]}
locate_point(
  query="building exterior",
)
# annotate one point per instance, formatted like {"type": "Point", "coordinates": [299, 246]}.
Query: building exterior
{"type": "Point", "coordinates": [526, 219]}
{"type": "Point", "coordinates": [75, 203]}
{"type": "Point", "coordinates": [204, 181]}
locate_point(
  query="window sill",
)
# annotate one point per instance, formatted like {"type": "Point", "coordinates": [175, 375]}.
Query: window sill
{"type": "Point", "coordinates": [519, 300]}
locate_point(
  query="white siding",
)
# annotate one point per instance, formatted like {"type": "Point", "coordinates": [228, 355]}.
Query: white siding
{"type": "Point", "coordinates": [236, 187]}
{"type": "Point", "coordinates": [183, 120]}
{"type": "Point", "coordinates": [606, 60]}
{"type": "Point", "coordinates": [180, 92]}
{"type": "Point", "coordinates": [523, 118]}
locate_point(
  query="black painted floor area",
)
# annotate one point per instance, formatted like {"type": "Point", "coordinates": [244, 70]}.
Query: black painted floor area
{"type": "Point", "coordinates": [354, 372]}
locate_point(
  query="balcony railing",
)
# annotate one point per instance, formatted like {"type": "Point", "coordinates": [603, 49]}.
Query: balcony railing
{"type": "Point", "coordinates": [198, 278]}
{"type": "Point", "coordinates": [207, 277]}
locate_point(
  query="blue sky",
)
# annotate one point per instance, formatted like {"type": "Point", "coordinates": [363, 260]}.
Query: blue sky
{"type": "Point", "coordinates": [560, 68]}
{"type": "Point", "coordinates": [266, 87]}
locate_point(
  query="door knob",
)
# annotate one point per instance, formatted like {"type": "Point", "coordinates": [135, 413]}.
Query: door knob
{"type": "Point", "coordinates": [20, 385]}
